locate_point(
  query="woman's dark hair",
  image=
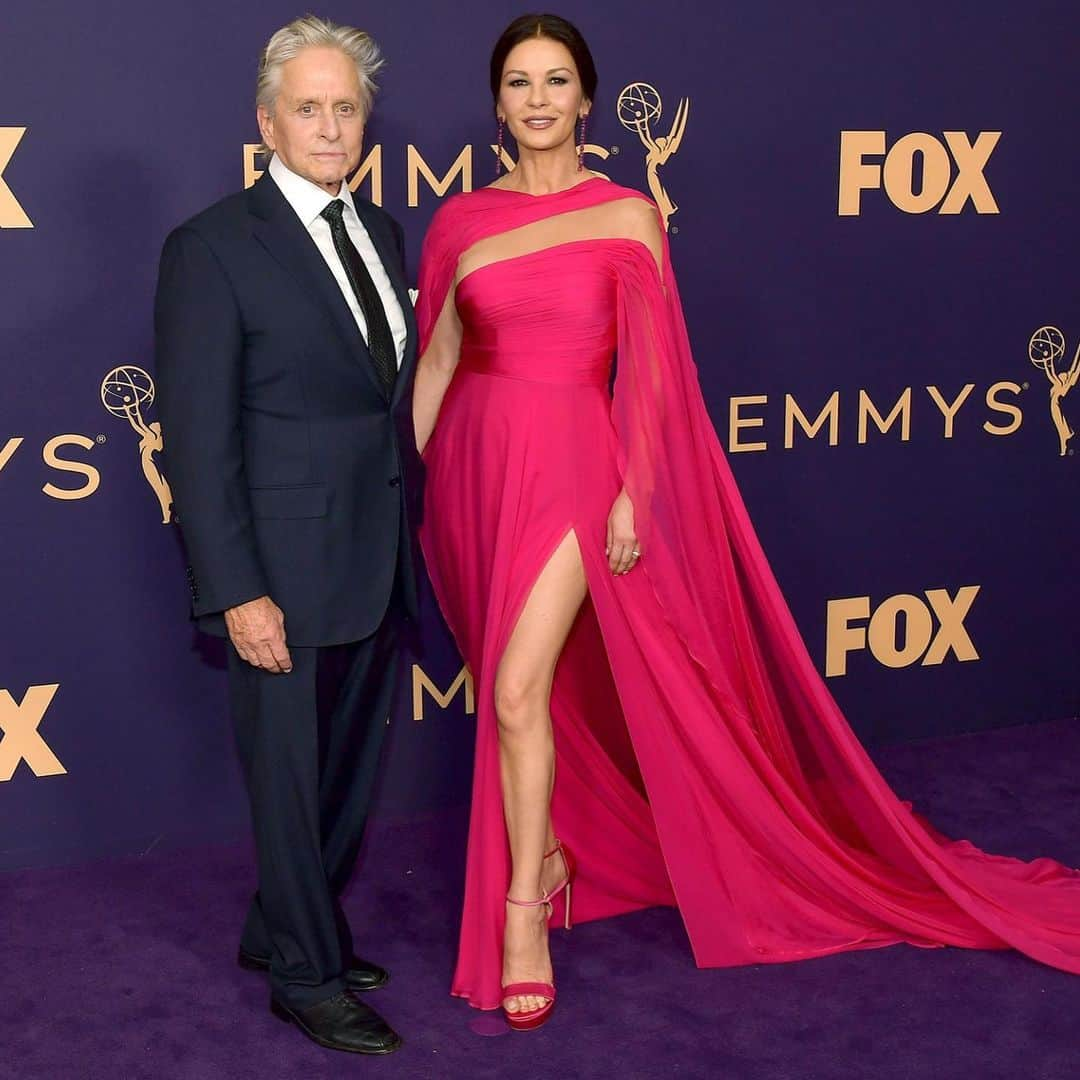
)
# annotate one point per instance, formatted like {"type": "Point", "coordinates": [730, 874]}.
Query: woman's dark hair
{"type": "Point", "coordinates": [544, 26]}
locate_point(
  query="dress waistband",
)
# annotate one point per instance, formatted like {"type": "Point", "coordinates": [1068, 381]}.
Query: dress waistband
{"type": "Point", "coordinates": [544, 367]}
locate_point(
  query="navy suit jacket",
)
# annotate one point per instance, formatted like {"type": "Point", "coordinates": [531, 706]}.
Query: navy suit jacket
{"type": "Point", "coordinates": [292, 474]}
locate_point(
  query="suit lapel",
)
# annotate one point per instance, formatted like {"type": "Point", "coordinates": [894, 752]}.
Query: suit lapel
{"type": "Point", "coordinates": [391, 260]}
{"type": "Point", "coordinates": [283, 235]}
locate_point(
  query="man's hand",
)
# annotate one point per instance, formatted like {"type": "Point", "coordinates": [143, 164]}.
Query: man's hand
{"type": "Point", "coordinates": [257, 631]}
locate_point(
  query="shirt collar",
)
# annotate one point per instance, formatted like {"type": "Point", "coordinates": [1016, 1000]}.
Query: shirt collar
{"type": "Point", "coordinates": [307, 199]}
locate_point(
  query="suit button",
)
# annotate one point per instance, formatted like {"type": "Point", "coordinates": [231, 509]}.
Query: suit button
{"type": "Point", "coordinates": [395, 481]}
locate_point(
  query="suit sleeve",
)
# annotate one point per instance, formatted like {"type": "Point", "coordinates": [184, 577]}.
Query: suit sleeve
{"type": "Point", "coordinates": [199, 365]}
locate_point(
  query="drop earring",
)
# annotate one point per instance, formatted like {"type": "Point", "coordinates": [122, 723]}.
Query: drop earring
{"type": "Point", "coordinates": [499, 151]}
{"type": "Point", "coordinates": [581, 147]}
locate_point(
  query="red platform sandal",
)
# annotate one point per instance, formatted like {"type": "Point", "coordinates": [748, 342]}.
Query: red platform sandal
{"type": "Point", "coordinates": [534, 1018]}
{"type": "Point", "coordinates": [530, 1018]}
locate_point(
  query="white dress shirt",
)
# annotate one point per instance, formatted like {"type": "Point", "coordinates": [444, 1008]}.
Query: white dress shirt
{"type": "Point", "coordinates": [309, 200]}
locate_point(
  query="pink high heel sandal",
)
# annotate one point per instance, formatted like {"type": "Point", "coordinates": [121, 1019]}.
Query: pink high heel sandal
{"type": "Point", "coordinates": [534, 1018]}
{"type": "Point", "coordinates": [530, 1018]}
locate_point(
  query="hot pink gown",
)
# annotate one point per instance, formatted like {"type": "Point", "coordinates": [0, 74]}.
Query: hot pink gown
{"type": "Point", "coordinates": [700, 759]}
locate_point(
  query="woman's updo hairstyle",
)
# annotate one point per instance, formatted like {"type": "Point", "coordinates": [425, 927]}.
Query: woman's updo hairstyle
{"type": "Point", "coordinates": [544, 26]}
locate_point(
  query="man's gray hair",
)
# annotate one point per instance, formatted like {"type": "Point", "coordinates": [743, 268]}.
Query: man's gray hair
{"type": "Point", "coordinates": [311, 32]}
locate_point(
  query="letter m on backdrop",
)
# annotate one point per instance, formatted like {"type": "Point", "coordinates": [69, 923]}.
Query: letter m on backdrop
{"type": "Point", "coordinates": [421, 683]}
{"type": "Point", "coordinates": [12, 215]}
{"type": "Point", "coordinates": [21, 740]}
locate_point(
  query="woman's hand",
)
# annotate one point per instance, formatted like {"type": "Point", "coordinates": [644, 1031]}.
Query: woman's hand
{"type": "Point", "coordinates": [622, 546]}
{"type": "Point", "coordinates": [434, 372]}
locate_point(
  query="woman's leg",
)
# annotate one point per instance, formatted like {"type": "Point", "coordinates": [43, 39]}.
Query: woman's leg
{"type": "Point", "coordinates": [527, 759]}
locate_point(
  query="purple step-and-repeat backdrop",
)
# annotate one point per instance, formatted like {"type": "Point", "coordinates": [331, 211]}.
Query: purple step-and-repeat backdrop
{"type": "Point", "coordinates": [873, 217]}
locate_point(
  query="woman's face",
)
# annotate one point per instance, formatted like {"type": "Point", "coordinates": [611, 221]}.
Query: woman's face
{"type": "Point", "coordinates": [541, 97]}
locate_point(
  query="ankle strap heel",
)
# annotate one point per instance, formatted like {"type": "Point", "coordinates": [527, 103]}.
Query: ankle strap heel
{"type": "Point", "coordinates": [532, 1018]}
{"type": "Point", "coordinates": [544, 901]}
{"type": "Point", "coordinates": [568, 882]}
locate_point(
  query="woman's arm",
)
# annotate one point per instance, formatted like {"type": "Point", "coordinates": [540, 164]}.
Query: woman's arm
{"type": "Point", "coordinates": [638, 221]}
{"type": "Point", "coordinates": [435, 370]}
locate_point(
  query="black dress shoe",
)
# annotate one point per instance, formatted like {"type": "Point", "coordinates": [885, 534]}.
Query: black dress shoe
{"type": "Point", "coordinates": [361, 975]}
{"type": "Point", "coordinates": [341, 1023]}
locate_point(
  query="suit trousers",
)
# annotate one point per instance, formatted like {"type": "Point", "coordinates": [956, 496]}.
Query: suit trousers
{"type": "Point", "coordinates": [309, 743]}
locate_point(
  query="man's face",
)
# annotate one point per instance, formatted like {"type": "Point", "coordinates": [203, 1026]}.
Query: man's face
{"type": "Point", "coordinates": [317, 127]}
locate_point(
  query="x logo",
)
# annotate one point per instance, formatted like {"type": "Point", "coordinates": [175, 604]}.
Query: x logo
{"type": "Point", "coordinates": [971, 159]}
{"type": "Point", "coordinates": [21, 740]}
{"type": "Point", "coordinates": [12, 215]}
{"type": "Point", "coordinates": [951, 612]}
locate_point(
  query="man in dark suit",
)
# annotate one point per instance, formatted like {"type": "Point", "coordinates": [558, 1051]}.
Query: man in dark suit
{"type": "Point", "coordinates": [285, 349]}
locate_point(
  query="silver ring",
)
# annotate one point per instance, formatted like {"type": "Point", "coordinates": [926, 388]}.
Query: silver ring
{"type": "Point", "coordinates": [636, 554]}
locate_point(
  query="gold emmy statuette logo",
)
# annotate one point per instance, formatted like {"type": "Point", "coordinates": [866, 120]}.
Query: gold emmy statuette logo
{"type": "Point", "coordinates": [12, 215]}
{"type": "Point", "coordinates": [888, 644]}
{"type": "Point", "coordinates": [1046, 349]}
{"type": "Point", "coordinates": [898, 171]}
{"type": "Point", "coordinates": [639, 105]}
{"type": "Point", "coordinates": [125, 392]}
{"type": "Point", "coordinates": [21, 741]}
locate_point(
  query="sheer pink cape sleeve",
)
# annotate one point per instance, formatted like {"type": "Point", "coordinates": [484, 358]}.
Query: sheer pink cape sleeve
{"type": "Point", "coordinates": [713, 581]}
{"type": "Point", "coordinates": [442, 247]}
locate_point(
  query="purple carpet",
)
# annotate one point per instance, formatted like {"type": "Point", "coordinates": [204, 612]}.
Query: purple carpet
{"type": "Point", "coordinates": [122, 970]}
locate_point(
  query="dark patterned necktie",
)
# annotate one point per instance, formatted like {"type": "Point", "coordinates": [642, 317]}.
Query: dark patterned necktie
{"type": "Point", "coordinates": [380, 340]}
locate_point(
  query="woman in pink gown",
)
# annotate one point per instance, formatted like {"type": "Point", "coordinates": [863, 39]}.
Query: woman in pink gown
{"type": "Point", "coordinates": [643, 693]}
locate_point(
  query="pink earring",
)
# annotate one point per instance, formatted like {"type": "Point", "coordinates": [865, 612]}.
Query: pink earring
{"type": "Point", "coordinates": [581, 147]}
{"type": "Point", "coordinates": [499, 154]}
